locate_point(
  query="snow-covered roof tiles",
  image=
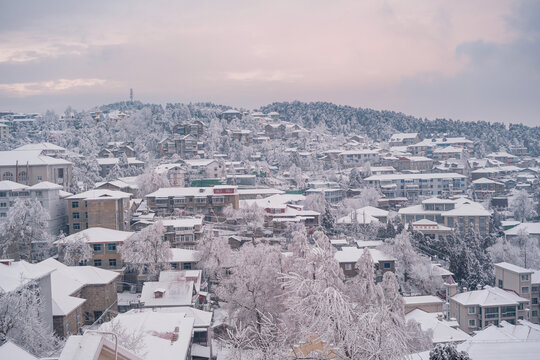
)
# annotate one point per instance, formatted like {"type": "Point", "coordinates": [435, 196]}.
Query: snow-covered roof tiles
{"type": "Point", "coordinates": [175, 293]}
{"type": "Point", "coordinates": [100, 194]}
{"type": "Point", "coordinates": [188, 222]}
{"type": "Point", "coordinates": [28, 157]}
{"type": "Point", "coordinates": [489, 296]}
{"type": "Point", "coordinates": [442, 331]}
{"type": "Point", "coordinates": [46, 185]}
{"type": "Point", "coordinates": [402, 136]}
{"type": "Point", "coordinates": [349, 254]}
{"type": "Point", "coordinates": [10, 350]}
{"type": "Point", "coordinates": [530, 228]}
{"type": "Point", "coordinates": [158, 329]}
{"type": "Point", "coordinates": [513, 268]}
{"type": "Point", "coordinates": [40, 146]}
{"type": "Point", "coordinates": [358, 217]}
{"type": "Point", "coordinates": [184, 255]}
{"type": "Point", "coordinates": [19, 273]}
{"type": "Point", "coordinates": [100, 235]}
{"type": "Point", "coordinates": [486, 181]}
{"type": "Point", "coordinates": [426, 299]}
{"type": "Point", "coordinates": [7, 185]}
{"type": "Point", "coordinates": [393, 177]}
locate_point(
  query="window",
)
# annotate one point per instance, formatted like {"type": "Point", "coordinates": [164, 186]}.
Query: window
{"type": "Point", "coordinates": [74, 204]}
{"type": "Point", "coordinates": [535, 301]}
{"type": "Point", "coordinates": [174, 266]}
{"type": "Point", "coordinates": [40, 178]}
{"type": "Point", "coordinates": [472, 310]}
{"type": "Point", "coordinates": [386, 265]}
{"type": "Point", "coordinates": [535, 313]}
{"type": "Point", "coordinates": [67, 327]}
{"type": "Point", "coordinates": [76, 226]}
{"type": "Point", "coordinates": [472, 323]}
{"type": "Point", "coordinates": [500, 284]}
{"type": "Point", "coordinates": [3, 204]}
{"type": "Point", "coordinates": [508, 311]}
{"type": "Point", "coordinates": [22, 176]}
{"type": "Point", "coordinates": [76, 215]}
{"type": "Point", "coordinates": [97, 247]}
{"type": "Point", "coordinates": [111, 246]}
{"type": "Point", "coordinates": [97, 262]}
{"type": "Point", "coordinates": [61, 173]}
{"type": "Point", "coordinates": [520, 306]}
{"type": "Point", "coordinates": [3, 215]}
{"type": "Point", "coordinates": [491, 313]}
{"type": "Point", "coordinates": [97, 315]}
{"type": "Point", "coordinates": [112, 262]}
{"type": "Point", "coordinates": [525, 277]}
{"type": "Point", "coordinates": [187, 266]}
{"type": "Point", "coordinates": [3, 194]}
{"type": "Point", "coordinates": [7, 176]}
{"type": "Point", "coordinates": [78, 317]}
{"type": "Point", "coordinates": [86, 316]}
{"type": "Point", "coordinates": [525, 289]}
{"type": "Point", "coordinates": [348, 266]}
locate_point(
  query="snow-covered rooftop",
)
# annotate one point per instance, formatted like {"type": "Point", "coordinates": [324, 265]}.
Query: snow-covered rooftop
{"type": "Point", "coordinates": [18, 273]}
{"type": "Point", "coordinates": [7, 185]}
{"type": "Point", "coordinates": [530, 228]}
{"type": "Point", "coordinates": [10, 350]}
{"type": "Point", "coordinates": [349, 254]}
{"type": "Point", "coordinates": [425, 299]}
{"type": "Point", "coordinates": [40, 146]}
{"type": "Point", "coordinates": [513, 268]}
{"type": "Point", "coordinates": [393, 177]}
{"type": "Point", "coordinates": [175, 293]}
{"type": "Point", "coordinates": [489, 296]}
{"type": "Point", "coordinates": [100, 194]}
{"type": "Point", "coordinates": [442, 331]}
{"type": "Point", "coordinates": [100, 235]}
{"type": "Point", "coordinates": [28, 157]}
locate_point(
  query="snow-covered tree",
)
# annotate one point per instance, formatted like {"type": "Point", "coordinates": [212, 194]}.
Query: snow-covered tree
{"type": "Point", "coordinates": [522, 206]}
{"type": "Point", "coordinates": [251, 217]}
{"type": "Point", "coordinates": [147, 251]}
{"type": "Point", "coordinates": [447, 352]}
{"type": "Point", "coordinates": [521, 250]}
{"type": "Point", "coordinates": [414, 272]}
{"type": "Point", "coordinates": [315, 202]}
{"type": "Point", "coordinates": [215, 254]}
{"type": "Point", "coordinates": [24, 228]}
{"type": "Point", "coordinates": [150, 181]}
{"type": "Point", "coordinates": [132, 339]}
{"type": "Point", "coordinates": [20, 322]}
{"type": "Point", "coordinates": [76, 250]}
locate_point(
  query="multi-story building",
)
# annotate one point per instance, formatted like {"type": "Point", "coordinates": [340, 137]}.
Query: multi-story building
{"type": "Point", "coordinates": [45, 148]}
{"type": "Point", "coordinates": [207, 201]}
{"type": "Point", "coordinates": [241, 136]}
{"type": "Point", "coordinates": [486, 188]}
{"type": "Point", "coordinates": [404, 139]}
{"type": "Point", "coordinates": [81, 295]}
{"type": "Point", "coordinates": [331, 195]}
{"type": "Point", "coordinates": [186, 146]}
{"type": "Point", "coordinates": [48, 194]}
{"type": "Point", "coordinates": [174, 172]}
{"type": "Point", "coordinates": [448, 152]}
{"type": "Point", "coordinates": [195, 129]}
{"type": "Point", "coordinates": [358, 157]}
{"type": "Point", "coordinates": [105, 244]}
{"type": "Point", "coordinates": [524, 282]}
{"type": "Point", "coordinates": [478, 309]}
{"type": "Point", "coordinates": [99, 208]}
{"type": "Point", "coordinates": [4, 131]}
{"type": "Point", "coordinates": [183, 232]}
{"type": "Point", "coordinates": [415, 163]}
{"type": "Point", "coordinates": [204, 169]}
{"type": "Point", "coordinates": [459, 212]}
{"type": "Point", "coordinates": [32, 166]}
{"type": "Point", "coordinates": [412, 186]}
{"type": "Point", "coordinates": [427, 146]}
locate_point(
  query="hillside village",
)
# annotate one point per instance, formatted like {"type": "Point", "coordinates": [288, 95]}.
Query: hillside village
{"type": "Point", "coordinates": [205, 232]}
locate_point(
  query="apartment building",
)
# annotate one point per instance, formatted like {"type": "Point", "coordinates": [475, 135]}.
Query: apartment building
{"type": "Point", "coordinates": [331, 195]}
{"type": "Point", "coordinates": [174, 173]}
{"type": "Point", "coordinates": [524, 282]}
{"type": "Point", "coordinates": [459, 212]}
{"type": "Point", "coordinates": [413, 163]}
{"type": "Point", "coordinates": [207, 201]}
{"type": "Point", "coordinates": [195, 129]}
{"type": "Point", "coordinates": [183, 233]}
{"type": "Point", "coordinates": [48, 194]}
{"type": "Point", "coordinates": [186, 146]}
{"type": "Point", "coordinates": [404, 139]}
{"type": "Point", "coordinates": [242, 136]}
{"type": "Point", "coordinates": [105, 244]}
{"type": "Point", "coordinates": [484, 188]}
{"type": "Point", "coordinates": [478, 309]}
{"type": "Point", "coordinates": [427, 146]}
{"type": "Point", "coordinates": [412, 186]}
{"type": "Point", "coordinates": [45, 148]}
{"type": "Point", "coordinates": [448, 152]}
{"type": "Point", "coordinates": [204, 169]}
{"type": "Point", "coordinates": [351, 158]}
{"type": "Point", "coordinates": [99, 208]}
{"type": "Point", "coordinates": [32, 166]}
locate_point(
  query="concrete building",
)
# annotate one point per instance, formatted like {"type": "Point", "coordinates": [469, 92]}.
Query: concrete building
{"type": "Point", "coordinates": [427, 303]}
{"type": "Point", "coordinates": [524, 282]}
{"type": "Point", "coordinates": [348, 256]}
{"type": "Point", "coordinates": [209, 201]}
{"type": "Point", "coordinates": [404, 139]}
{"type": "Point", "coordinates": [412, 186]}
{"type": "Point", "coordinates": [104, 243]}
{"type": "Point", "coordinates": [195, 129]}
{"type": "Point", "coordinates": [32, 166]}
{"type": "Point", "coordinates": [183, 232]}
{"type": "Point", "coordinates": [48, 194]}
{"type": "Point", "coordinates": [478, 309]}
{"type": "Point", "coordinates": [99, 208]}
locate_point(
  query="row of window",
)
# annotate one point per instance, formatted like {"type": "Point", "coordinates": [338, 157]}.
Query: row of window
{"type": "Point", "coordinates": [99, 247]}
{"type": "Point", "coordinates": [99, 263]}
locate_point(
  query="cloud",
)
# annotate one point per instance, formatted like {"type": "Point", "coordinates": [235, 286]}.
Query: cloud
{"type": "Point", "coordinates": [47, 87]}
{"type": "Point", "coordinates": [263, 76]}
